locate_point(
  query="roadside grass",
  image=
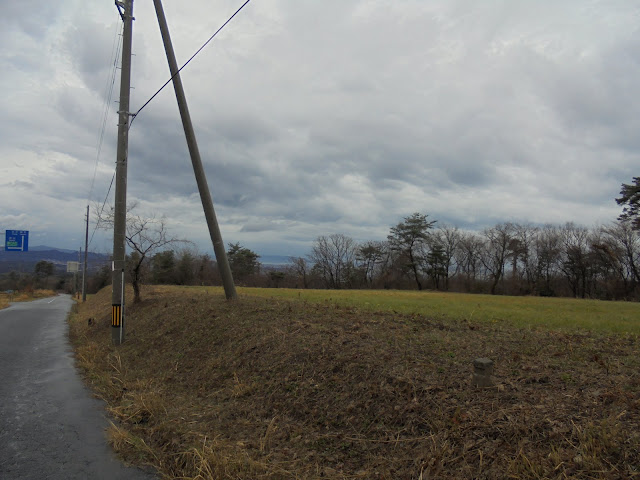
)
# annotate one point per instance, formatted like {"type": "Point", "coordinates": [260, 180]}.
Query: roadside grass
{"type": "Point", "coordinates": [270, 388]}
{"type": "Point", "coordinates": [24, 296]}
{"type": "Point", "coordinates": [564, 314]}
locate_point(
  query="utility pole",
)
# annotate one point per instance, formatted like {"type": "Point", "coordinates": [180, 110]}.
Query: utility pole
{"type": "Point", "coordinates": [125, 7]}
{"type": "Point", "coordinates": [201, 179]}
{"type": "Point", "coordinates": [75, 276]}
{"type": "Point", "coordinates": [84, 266]}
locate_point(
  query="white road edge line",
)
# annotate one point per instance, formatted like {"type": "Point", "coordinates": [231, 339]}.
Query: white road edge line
{"type": "Point", "coordinates": [51, 301]}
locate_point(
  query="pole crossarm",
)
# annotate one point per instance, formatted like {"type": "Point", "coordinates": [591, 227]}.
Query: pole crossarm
{"type": "Point", "coordinates": [121, 9]}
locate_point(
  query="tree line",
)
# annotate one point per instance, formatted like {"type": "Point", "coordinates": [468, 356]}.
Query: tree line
{"type": "Point", "coordinates": [508, 258]}
{"type": "Point", "coordinates": [45, 276]}
{"type": "Point", "coordinates": [419, 253]}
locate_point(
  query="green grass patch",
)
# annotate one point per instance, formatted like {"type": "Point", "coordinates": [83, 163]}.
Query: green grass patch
{"type": "Point", "coordinates": [564, 314]}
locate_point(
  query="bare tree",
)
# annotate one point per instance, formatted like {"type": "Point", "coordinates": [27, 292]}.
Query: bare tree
{"type": "Point", "coordinates": [144, 235]}
{"type": "Point", "coordinates": [333, 259]}
{"type": "Point", "coordinates": [448, 237]}
{"type": "Point", "coordinates": [524, 258]}
{"type": "Point", "coordinates": [300, 268]}
{"type": "Point", "coordinates": [575, 262]}
{"type": "Point", "coordinates": [548, 250]}
{"type": "Point", "coordinates": [620, 244]}
{"type": "Point", "coordinates": [608, 273]}
{"type": "Point", "coordinates": [496, 251]}
{"type": "Point", "coordinates": [624, 234]}
{"type": "Point", "coordinates": [467, 257]}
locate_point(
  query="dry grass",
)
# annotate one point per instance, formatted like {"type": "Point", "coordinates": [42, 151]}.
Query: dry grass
{"type": "Point", "coordinates": [274, 389]}
{"type": "Point", "coordinates": [24, 296]}
{"type": "Point", "coordinates": [35, 294]}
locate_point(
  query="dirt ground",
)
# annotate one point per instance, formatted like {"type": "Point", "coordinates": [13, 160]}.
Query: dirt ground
{"type": "Point", "coordinates": [261, 388]}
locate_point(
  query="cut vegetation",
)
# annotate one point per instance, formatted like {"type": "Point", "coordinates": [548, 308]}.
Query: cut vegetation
{"type": "Point", "coordinates": [280, 389]}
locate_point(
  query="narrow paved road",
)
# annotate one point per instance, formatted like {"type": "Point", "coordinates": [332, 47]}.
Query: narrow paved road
{"type": "Point", "coordinates": [50, 426]}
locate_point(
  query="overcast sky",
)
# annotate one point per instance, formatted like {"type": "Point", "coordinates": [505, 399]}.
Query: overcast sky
{"type": "Point", "coordinates": [320, 117]}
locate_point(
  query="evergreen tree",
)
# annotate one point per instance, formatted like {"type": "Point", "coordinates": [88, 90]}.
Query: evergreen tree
{"type": "Point", "coordinates": [408, 238]}
{"type": "Point", "coordinates": [243, 262]}
{"type": "Point", "coordinates": [630, 198]}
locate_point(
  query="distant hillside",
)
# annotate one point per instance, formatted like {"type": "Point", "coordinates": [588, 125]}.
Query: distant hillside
{"type": "Point", "coordinates": [274, 260]}
{"type": "Point", "coordinates": [26, 261]}
{"type": "Point", "coordinates": [44, 248]}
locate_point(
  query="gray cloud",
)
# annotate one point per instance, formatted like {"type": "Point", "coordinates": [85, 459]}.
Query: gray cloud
{"type": "Point", "coordinates": [331, 117]}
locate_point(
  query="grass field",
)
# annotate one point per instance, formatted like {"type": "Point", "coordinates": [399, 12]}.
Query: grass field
{"type": "Point", "coordinates": [566, 314]}
{"type": "Point", "coordinates": [328, 388]}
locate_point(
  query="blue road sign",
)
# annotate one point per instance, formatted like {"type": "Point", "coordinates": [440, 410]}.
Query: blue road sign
{"type": "Point", "coordinates": [16, 241]}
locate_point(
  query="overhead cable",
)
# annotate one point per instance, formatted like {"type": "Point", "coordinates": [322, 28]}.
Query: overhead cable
{"type": "Point", "coordinates": [187, 62]}
{"type": "Point", "coordinates": [109, 87]}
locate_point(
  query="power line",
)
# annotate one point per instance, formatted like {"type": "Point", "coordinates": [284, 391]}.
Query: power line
{"type": "Point", "coordinates": [102, 209]}
{"type": "Point", "coordinates": [109, 87]}
{"type": "Point", "coordinates": [187, 62]}
{"type": "Point", "coordinates": [145, 104]}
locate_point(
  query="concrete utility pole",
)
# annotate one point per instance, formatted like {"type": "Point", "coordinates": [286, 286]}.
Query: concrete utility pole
{"type": "Point", "coordinates": [201, 179]}
{"type": "Point", "coordinates": [76, 292]}
{"type": "Point", "coordinates": [84, 266]}
{"type": "Point", "coordinates": [125, 7]}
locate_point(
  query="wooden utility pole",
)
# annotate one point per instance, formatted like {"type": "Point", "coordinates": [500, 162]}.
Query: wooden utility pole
{"type": "Point", "coordinates": [125, 7]}
{"type": "Point", "coordinates": [75, 276]}
{"type": "Point", "coordinates": [201, 179]}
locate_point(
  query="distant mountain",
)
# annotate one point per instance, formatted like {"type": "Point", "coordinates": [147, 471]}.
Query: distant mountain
{"type": "Point", "coordinates": [26, 261]}
{"type": "Point", "coordinates": [274, 260]}
{"type": "Point", "coordinates": [44, 248]}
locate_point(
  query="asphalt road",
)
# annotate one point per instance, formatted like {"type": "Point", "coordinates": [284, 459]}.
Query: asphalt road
{"type": "Point", "coordinates": [50, 426]}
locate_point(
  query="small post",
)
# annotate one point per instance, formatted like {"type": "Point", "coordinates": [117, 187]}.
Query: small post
{"type": "Point", "coordinates": [482, 371]}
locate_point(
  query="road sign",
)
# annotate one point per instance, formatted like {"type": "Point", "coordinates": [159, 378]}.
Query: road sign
{"type": "Point", "coordinates": [16, 241]}
{"type": "Point", "coordinates": [72, 267]}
